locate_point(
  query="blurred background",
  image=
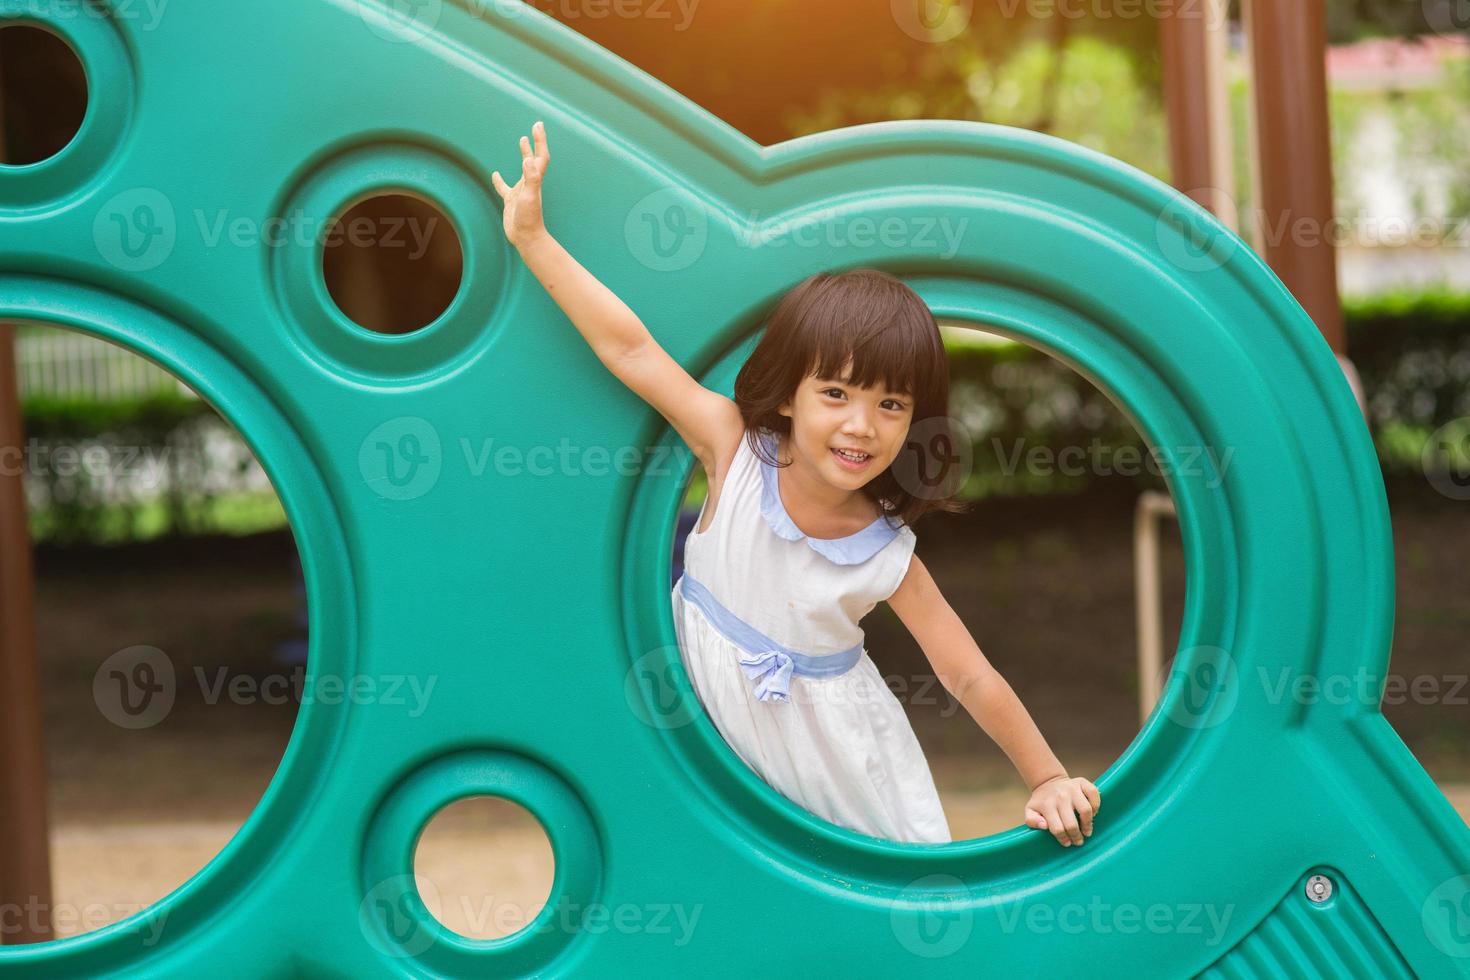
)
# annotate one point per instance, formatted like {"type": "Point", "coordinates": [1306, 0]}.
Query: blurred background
{"type": "Point", "coordinates": [154, 525]}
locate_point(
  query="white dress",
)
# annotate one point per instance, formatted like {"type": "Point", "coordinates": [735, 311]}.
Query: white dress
{"type": "Point", "coordinates": [767, 622]}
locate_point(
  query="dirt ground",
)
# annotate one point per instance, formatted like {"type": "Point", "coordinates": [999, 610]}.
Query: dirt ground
{"type": "Point", "coordinates": [1046, 587]}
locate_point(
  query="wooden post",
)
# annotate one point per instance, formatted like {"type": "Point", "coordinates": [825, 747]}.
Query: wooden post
{"type": "Point", "coordinates": [1197, 102]}
{"type": "Point", "coordinates": [1293, 173]}
{"type": "Point", "coordinates": [25, 865]}
{"type": "Point", "coordinates": [25, 858]}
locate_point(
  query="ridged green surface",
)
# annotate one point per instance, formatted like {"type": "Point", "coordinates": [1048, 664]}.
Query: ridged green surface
{"type": "Point", "coordinates": [539, 603]}
{"type": "Point", "coordinates": [1337, 937]}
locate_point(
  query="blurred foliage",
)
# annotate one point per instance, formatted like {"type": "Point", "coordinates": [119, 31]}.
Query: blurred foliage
{"type": "Point", "coordinates": [133, 468]}
{"type": "Point", "coordinates": [1412, 352]}
{"type": "Point", "coordinates": [1353, 20]}
{"type": "Point", "coordinates": [1086, 90]}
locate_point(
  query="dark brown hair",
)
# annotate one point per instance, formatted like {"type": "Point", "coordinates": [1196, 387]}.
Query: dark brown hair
{"type": "Point", "coordinates": [892, 338]}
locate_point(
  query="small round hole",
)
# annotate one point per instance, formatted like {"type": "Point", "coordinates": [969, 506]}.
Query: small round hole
{"type": "Point", "coordinates": [392, 263]}
{"type": "Point", "coordinates": [484, 867]}
{"type": "Point", "coordinates": [43, 94]}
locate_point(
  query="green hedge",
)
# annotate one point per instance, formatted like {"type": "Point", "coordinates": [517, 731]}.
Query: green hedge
{"type": "Point", "coordinates": [134, 468]}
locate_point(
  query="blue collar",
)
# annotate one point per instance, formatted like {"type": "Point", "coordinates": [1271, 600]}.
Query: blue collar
{"type": "Point", "coordinates": [853, 549]}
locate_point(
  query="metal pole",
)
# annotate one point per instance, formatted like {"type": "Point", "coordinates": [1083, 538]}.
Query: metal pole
{"type": "Point", "coordinates": [1288, 41]}
{"type": "Point", "coordinates": [1151, 507]}
{"type": "Point", "coordinates": [1197, 102]}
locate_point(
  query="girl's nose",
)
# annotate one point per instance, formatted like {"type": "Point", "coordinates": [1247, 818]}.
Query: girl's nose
{"type": "Point", "coordinates": [859, 423]}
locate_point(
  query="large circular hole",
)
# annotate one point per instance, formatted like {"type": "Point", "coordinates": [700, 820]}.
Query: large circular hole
{"type": "Point", "coordinates": [43, 94]}
{"type": "Point", "coordinates": [484, 867]}
{"type": "Point", "coordinates": [171, 625]}
{"type": "Point", "coordinates": [1040, 570]}
{"type": "Point", "coordinates": [392, 263]}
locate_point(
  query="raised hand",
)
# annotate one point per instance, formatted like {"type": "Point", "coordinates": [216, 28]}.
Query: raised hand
{"type": "Point", "coordinates": [523, 220]}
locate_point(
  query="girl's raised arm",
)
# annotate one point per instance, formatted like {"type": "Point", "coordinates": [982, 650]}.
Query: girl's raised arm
{"type": "Point", "coordinates": [708, 422]}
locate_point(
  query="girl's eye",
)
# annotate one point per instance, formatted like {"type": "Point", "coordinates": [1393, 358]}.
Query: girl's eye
{"type": "Point", "coordinates": [895, 406]}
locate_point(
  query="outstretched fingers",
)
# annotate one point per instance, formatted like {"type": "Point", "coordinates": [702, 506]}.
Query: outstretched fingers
{"type": "Point", "coordinates": [543, 152]}
{"type": "Point", "coordinates": [533, 164]}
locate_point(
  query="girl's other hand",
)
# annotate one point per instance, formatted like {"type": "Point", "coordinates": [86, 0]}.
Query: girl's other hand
{"type": "Point", "coordinates": [523, 222]}
{"type": "Point", "coordinates": [1052, 807]}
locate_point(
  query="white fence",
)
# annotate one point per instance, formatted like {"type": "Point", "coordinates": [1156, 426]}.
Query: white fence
{"type": "Point", "coordinates": [66, 364]}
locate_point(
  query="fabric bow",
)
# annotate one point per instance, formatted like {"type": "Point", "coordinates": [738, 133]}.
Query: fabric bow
{"type": "Point", "coordinates": [770, 672]}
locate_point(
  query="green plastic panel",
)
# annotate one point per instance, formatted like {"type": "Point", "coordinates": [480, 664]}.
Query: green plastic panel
{"type": "Point", "coordinates": [537, 597]}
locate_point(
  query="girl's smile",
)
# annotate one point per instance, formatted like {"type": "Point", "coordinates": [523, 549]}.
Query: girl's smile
{"type": "Point", "coordinates": [855, 462]}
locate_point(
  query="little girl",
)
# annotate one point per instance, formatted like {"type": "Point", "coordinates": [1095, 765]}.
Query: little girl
{"type": "Point", "coordinates": [805, 529]}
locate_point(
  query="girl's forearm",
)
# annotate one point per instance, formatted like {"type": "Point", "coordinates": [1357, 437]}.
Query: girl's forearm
{"type": "Point", "coordinates": [996, 709]}
{"type": "Point", "coordinates": [610, 328]}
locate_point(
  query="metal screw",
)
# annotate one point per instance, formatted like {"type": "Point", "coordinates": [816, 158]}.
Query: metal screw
{"type": "Point", "coordinates": [1319, 888]}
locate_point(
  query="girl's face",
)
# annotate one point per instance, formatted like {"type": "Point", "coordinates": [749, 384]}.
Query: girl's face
{"type": "Point", "coordinates": [828, 414]}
